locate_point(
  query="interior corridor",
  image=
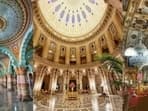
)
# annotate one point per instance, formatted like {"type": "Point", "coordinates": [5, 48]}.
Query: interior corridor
{"type": "Point", "coordinates": [9, 101]}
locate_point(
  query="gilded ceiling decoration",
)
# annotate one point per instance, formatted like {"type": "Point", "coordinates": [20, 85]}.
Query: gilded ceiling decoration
{"type": "Point", "coordinates": [13, 20]}
{"type": "Point", "coordinates": [69, 18]}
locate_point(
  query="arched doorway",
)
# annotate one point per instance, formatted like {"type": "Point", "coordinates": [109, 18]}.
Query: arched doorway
{"type": "Point", "coordinates": [85, 84]}
{"type": "Point", "coordinates": [98, 83]}
{"type": "Point", "coordinates": [73, 84]}
{"type": "Point", "coordinates": [59, 87]}
{"type": "Point", "coordinates": [46, 83]}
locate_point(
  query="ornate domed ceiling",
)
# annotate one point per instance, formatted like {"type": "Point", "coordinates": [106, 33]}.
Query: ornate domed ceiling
{"type": "Point", "coordinates": [73, 19]}
{"type": "Point", "coordinates": [12, 20]}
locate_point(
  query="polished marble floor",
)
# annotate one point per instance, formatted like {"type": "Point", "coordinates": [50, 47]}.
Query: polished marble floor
{"type": "Point", "coordinates": [85, 102]}
{"type": "Point", "coordinates": [9, 102]}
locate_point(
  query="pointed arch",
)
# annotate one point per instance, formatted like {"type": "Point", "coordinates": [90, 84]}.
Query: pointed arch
{"type": "Point", "coordinates": [24, 45]}
{"type": "Point", "coordinates": [6, 51]}
{"type": "Point", "coordinates": [30, 68]}
{"type": "Point", "coordinates": [3, 71]}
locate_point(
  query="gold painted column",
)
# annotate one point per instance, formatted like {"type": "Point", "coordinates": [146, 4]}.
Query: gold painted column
{"type": "Point", "coordinates": [50, 82]}
{"type": "Point", "coordinates": [78, 55]}
{"type": "Point", "coordinates": [80, 81]}
{"type": "Point", "coordinates": [64, 83]}
{"type": "Point", "coordinates": [54, 83]}
{"type": "Point", "coordinates": [67, 55]}
{"type": "Point", "coordinates": [57, 54]}
{"type": "Point", "coordinates": [109, 41]}
{"type": "Point", "coordinates": [45, 48]}
{"type": "Point", "coordinates": [88, 54]}
{"type": "Point", "coordinates": [22, 84]}
{"type": "Point", "coordinates": [36, 37]}
{"type": "Point", "coordinates": [98, 47]}
{"type": "Point", "coordinates": [9, 82]}
{"type": "Point", "coordinates": [92, 85]}
{"type": "Point", "coordinates": [40, 80]}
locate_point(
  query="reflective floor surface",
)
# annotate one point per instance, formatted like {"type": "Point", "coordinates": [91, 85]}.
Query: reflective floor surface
{"type": "Point", "coordinates": [9, 102]}
{"type": "Point", "coordinates": [85, 102]}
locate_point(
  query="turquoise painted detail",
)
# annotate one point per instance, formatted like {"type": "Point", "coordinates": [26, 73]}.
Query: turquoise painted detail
{"type": "Point", "coordinates": [10, 70]}
{"type": "Point", "coordinates": [3, 71]}
{"type": "Point", "coordinates": [11, 56]}
{"type": "Point", "coordinates": [23, 49]}
{"type": "Point", "coordinates": [30, 68]}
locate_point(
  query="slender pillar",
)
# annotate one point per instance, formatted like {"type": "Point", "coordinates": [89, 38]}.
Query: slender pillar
{"type": "Point", "coordinates": [80, 81]}
{"type": "Point", "coordinates": [9, 98]}
{"type": "Point", "coordinates": [92, 85]}
{"type": "Point", "coordinates": [67, 55]}
{"type": "Point", "coordinates": [36, 37]}
{"type": "Point", "coordinates": [64, 83]}
{"type": "Point", "coordinates": [5, 81]}
{"type": "Point", "coordinates": [46, 48]}
{"type": "Point", "coordinates": [54, 81]}
{"type": "Point", "coordinates": [57, 54]}
{"type": "Point", "coordinates": [78, 55]}
{"type": "Point", "coordinates": [88, 54]}
{"type": "Point", "coordinates": [50, 83]}
{"type": "Point", "coordinates": [22, 84]}
{"type": "Point", "coordinates": [98, 47]}
{"type": "Point", "coordinates": [9, 82]}
{"type": "Point", "coordinates": [14, 81]}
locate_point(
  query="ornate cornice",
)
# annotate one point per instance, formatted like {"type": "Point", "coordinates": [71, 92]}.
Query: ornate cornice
{"type": "Point", "coordinates": [39, 60]}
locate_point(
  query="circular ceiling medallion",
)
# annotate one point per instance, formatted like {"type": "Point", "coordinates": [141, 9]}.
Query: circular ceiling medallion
{"type": "Point", "coordinates": [12, 20]}
{"type": "Point", "coordinates": [72, 19]}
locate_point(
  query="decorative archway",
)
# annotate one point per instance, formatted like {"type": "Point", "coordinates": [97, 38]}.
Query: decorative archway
{"type": "Point", "coordinates": [24, 54]}
{"type": "Point", "coordinates": [98, 83]}
{"type": "Point", "coordinates": [30, 68]}
{"type": "Point", "coordinates": [60, 83]}
{"type": "Point", "coordinates": [3, 71]}
{"type": "Point", "coordinates": [73, 83]}
{"type": "Point", "coordinates": [11, 56]}
{"type": "Point", "coordinates": [46, 83]}
{"type": "Point", "coordinates": [85, 83]}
